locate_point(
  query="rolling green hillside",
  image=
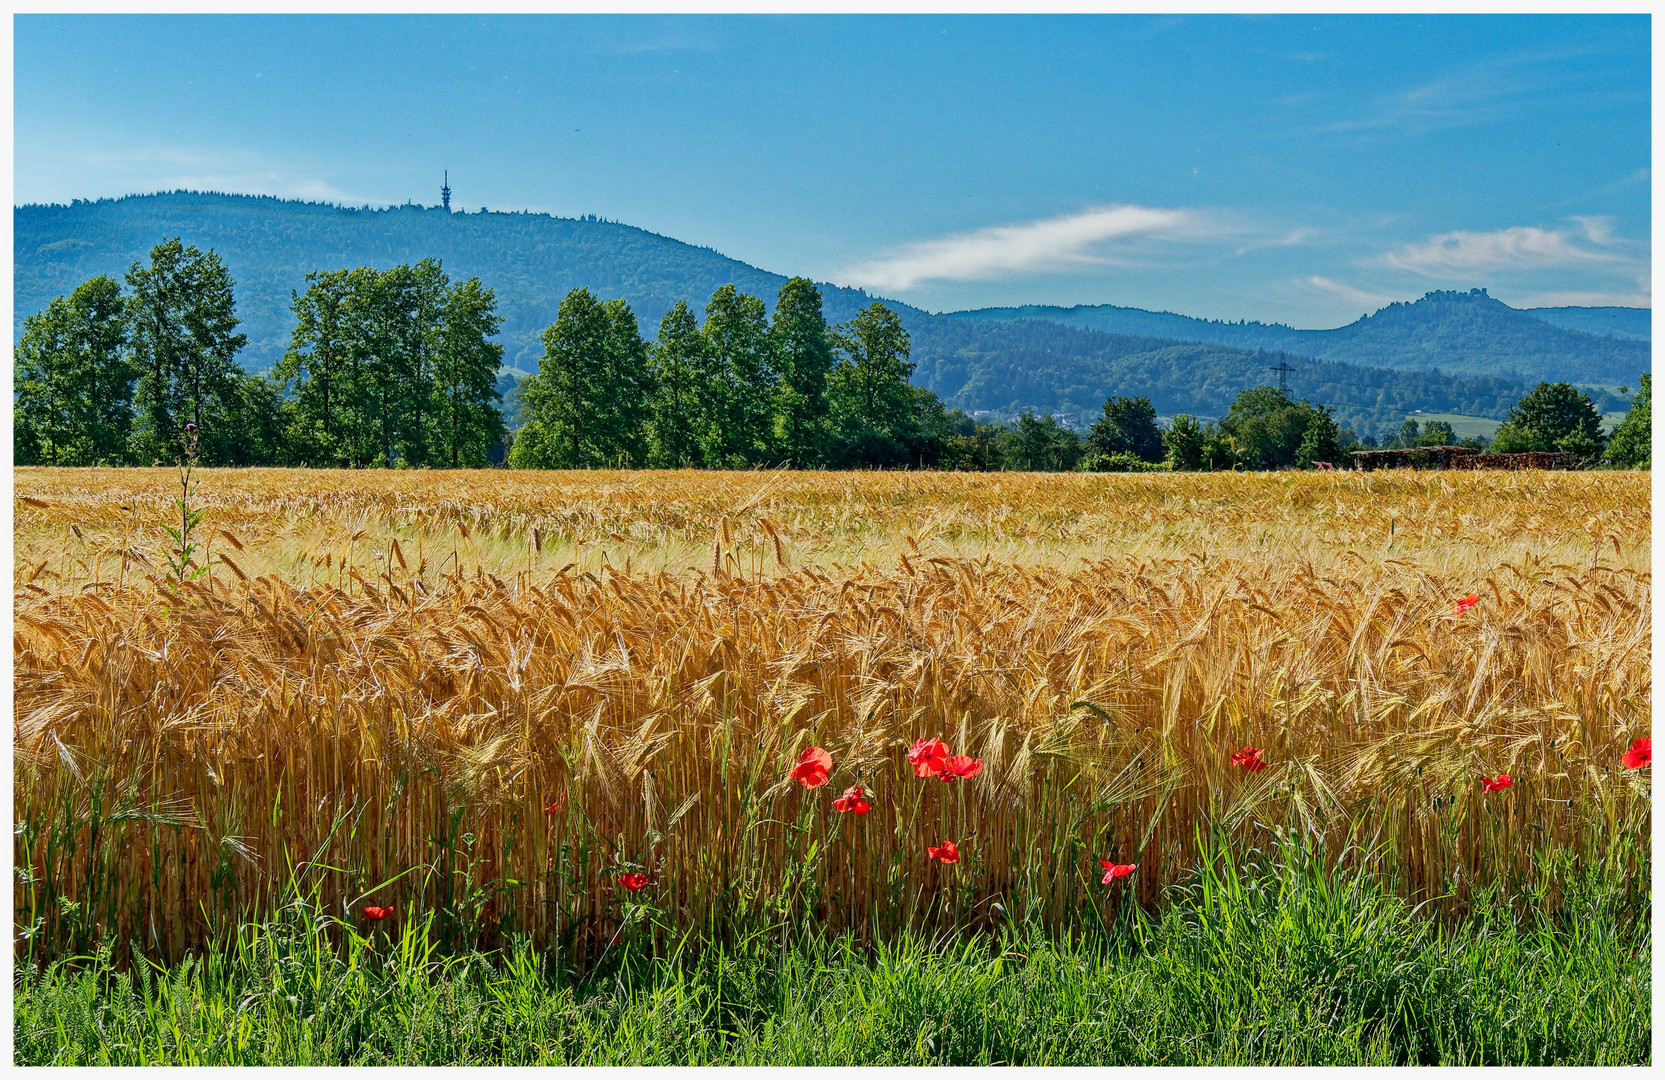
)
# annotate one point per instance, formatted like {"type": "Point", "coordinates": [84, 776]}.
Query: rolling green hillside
{"type": "Point", "coordinates": [270, 245]}
{"type": "Point", "coordinates": [1460, 333]}
{"type": "Point", "coordinates": [1635, 324]}
{"type": "Point", "coordinates": [1059, 368]}
{"type": "Point", "coordinates": [531, 260]}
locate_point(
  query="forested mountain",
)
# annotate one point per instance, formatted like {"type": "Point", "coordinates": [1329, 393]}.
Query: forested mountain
{"type": "Point", "coordinates": [531, 261]}
{"type": "Point", "coordinates": [1459, 333]}
{"type": "Point", "coordinates": [1060, 368]}
{"type": "Point", "coordinates": [1633, 323]}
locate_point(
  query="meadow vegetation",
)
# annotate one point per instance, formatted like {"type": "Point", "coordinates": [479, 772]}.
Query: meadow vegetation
{"type": "Point", "coordinates": [475, 702]}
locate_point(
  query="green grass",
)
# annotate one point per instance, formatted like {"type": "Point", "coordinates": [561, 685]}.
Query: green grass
{"type": "Point", "coordinates": [1286, 963]}
{"type": "Point", "coordinates": [1463, 426]}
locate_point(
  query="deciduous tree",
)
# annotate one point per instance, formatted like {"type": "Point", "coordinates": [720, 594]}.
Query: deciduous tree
{"type": "Point", "coordinates": [1128, 426]}
{"type": "Point", "coordinates": [466, 422]}
{"type": "Point", "coordinates": [183, 319]}
{"type": "Point", "coordinates": [803, 352]}
{"type": "Point", "coordinates": [869, 388]}
{"type": "Point", "coordinates": [73, 380]}
{"type": "Point", "coordinates": [1632, 442]}
{"type": "Point", "coordinates": [737, 345]}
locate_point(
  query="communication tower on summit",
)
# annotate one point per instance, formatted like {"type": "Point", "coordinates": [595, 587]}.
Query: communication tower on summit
{"type": "Point", "coordinates": [445, 192]}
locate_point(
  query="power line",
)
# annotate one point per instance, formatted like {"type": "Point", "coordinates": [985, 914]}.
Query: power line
{"type": "Point", "coordinates": [1283, 369]}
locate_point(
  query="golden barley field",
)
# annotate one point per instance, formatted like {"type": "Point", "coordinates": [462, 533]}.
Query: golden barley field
{"type": "Point", "coordinates": [485, 696]}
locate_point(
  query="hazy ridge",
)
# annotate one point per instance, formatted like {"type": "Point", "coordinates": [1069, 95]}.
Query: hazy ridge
{"type": "Point", "coordinates": [1002, 360]}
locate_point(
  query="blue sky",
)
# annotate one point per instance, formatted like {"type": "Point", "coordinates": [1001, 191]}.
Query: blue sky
{"type": "Point", "coordinates": [1301, 169]}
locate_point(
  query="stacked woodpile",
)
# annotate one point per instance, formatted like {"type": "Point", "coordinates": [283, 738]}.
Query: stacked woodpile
{"type": "Point", "coordinates": [1457, 457]}
{"type": "Point", "coordinates": [1415, 457]}
{"type": "Point", "coordinates": [1515, 461]}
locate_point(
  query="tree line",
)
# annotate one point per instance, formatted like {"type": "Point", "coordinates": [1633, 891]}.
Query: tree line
{"type": "Point", "coordinates": [384, 368]}
{"type": "Point", "coordinates": [396, 368]}
{"type": "Point", "coordinates": [735, 390]}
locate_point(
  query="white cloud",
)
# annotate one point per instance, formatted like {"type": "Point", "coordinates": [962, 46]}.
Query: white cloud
{"type": "Point", "coordinates": [1341, 291]}
{"type": "Point", "coordinates": [282, 185]}
{"type": "Point", "coordinates": [1030, 246]}
{"type": "Point", "coordinates": [1640, 298]}
{"type": "Point", "coordinates": [1598, 228]}
{"type": "Point", "coordinates": [1522, 247]}
{"type": "Point", "coordinates": [247, 172]}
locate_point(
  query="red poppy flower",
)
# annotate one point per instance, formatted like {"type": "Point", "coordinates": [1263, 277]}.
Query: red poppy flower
{"type": "Point", "coordinates": [633, 881]}
{"type": "Point", "coordinates": [1639, 754]}
{"type": "Point", "coordinates": [948, 852]}
{"type": "Point", "coordinates": [1249, 758]}
{"type": "Point", "coordinates": [854, 798]}
{"type": "Point", "coordinates": [558, 806]}
{"type": "Point", "coordinates": [814, 765]}
{"type": "Point", "coordinates": [377, 914]}
{"type": "Point", "coordinates": [1114, 870]}
{"type": "Point", "coordinates": [1499, 784]}
{"type": "Point", "coordinates": [959, 766]}
{"type": "Point", "coordinates": [1467, 602]}
{"type": "Point", "coordinates": [928, 757]}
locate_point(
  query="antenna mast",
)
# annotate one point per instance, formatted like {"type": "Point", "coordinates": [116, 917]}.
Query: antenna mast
{"type": "Point", "coordinates": [445, 192]}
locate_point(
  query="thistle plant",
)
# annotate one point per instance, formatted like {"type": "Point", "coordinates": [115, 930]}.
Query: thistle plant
{"type": "Point", "coordinates": [181, 567]}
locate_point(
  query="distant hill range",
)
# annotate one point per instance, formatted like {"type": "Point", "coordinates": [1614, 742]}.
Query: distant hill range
{"type": "Point", "coordinates": [1065, 360]}
{"type": "Point", "coordinates": [1460, 333]}
{"type": "Point", "coordinates": [1633, 323]}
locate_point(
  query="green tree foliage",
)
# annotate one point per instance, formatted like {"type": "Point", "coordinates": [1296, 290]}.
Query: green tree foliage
{"type": "Point", "coordinates": [1409, 432]}
{"type": "Point", "coordinates": [1321, 439]}
{"type": "Point", "coordinates": [391, 368]}
{"type": "Point", "coordinates": [737, 344]}
{"type": "Point", "coordinates": [591, 397]}
{"type": "Point", "coordinates": [1128, 427]}
{"type": "Point", "coordinates": [257, 416]}
{"type": "Point", "coordinates": [1267, 430]}
{"type": "Point", "coordinates": [630, 386]}
{"type": "Point", "coordinates": [1183, 366]}
{"type": "Point", "coordinates": [408, 324]}
{"type": "Point", "coordinates": [322, 364]}
{"type": "Point", "coordinates": [466, 423]}
{"type": "Point", "coordinates": [1040, 444]}
{"type": "Point", "coordinates": [1436, 433]}
{"type": "Point", "coordinates": [182, 322]}
{"type": "Point", "coordinates": [1554, 416]}
{"type": "Point", "coordinates": [967, 446]}
{"type": "Point", "coordinates": [1183, 442]}
{"type": "Point", "coordinates": [687, 403]}
{"type": "Point", "coordinates": [73, 381]}
{"type": "Point", "coordinates": [803, 359]}
{"type": "Point", "coordinates": [1220, 450]}
{"type": "Point", "coordinates": [870, 395]}
{"type": "Point", "coordinates": [1632, 442]}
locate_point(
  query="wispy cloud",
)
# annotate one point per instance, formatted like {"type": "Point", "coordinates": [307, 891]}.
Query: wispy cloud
{"type": "Point", "coordinates": [1027, 247]}
{"type": "Point", "coordinates": [1481, 92]}
{"type": "Point", "coordinates": [1637, 298]}
{"type": "Point", "coordinates": [165, 168]}
{"type": "Point", "coordinates": [283, 185]}
{"type": "Point", "coordinates": [1324, 286]}
{"type": "Point", "coordinates": [1522, 247]}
